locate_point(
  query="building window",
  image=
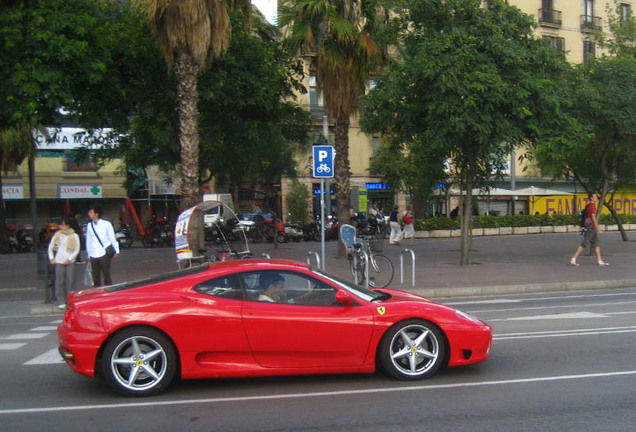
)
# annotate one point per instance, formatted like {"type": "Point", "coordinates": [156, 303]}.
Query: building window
{"type": "Point", "coordinates": [588, 20]}
{"type": "Point", "coordinates": [556, 42]}
{"type": "Point", "coordinates": [74, 164]}
{"type": "Point", "coordinates": [548, 16]}
{"type": "Point", "coordinates": [589, 50]}
{"type": "Point", "coordinates": [625, 12]}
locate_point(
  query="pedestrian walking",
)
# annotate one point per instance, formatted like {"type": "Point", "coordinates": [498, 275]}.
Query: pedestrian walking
{"type": "Point", "coordinates": [101, 246]}
{"type": "Point", "coordinates": [591, 233]}
{"type": "Point", "coordinates": [394, 223]}
{"type": "Point", "coordinates": [63, 250]}
{"type": "Point", "coordinates": [409, 229]}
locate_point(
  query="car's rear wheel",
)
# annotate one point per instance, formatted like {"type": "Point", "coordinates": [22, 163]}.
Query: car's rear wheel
{"type": "Point", "coordinates": [412, 349]}
{"type": "Point", "coordinates": [139, 362]}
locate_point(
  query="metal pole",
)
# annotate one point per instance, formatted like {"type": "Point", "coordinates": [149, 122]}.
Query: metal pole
{"type": "Point", "coordinates": [322, 224]}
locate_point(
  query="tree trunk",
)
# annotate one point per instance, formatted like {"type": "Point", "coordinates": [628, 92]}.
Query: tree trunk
{"type": "Point", "coordinates": [467, 214]}
{"type": "Point", "coordinates": [187, 105]}
{"type": "Point", "coordinates": [4, 235]}
{"type": "Point", "coordinates": [342, 174]}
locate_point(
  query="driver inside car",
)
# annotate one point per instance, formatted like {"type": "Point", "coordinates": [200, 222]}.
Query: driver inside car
{"type": "Point", "coordinates": [271, 285]}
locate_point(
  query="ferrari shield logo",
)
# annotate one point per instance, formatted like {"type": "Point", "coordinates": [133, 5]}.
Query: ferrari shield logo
{"type": "Point", "coordinates": [381, 310]}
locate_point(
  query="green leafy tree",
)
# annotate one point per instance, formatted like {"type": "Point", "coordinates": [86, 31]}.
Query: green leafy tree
{"type": "Point", "coordinates": [343, 39]}
{"type": "Point", "coordinates": [249, 125]}
{"type": "Point", "coordinates": [190, 34]}
{"type": "Point", "coordinates": [597, 146]}
{"type": "Point", "coordinates": [469, 85]}
{"type": "Point", "coordinates": [297, 200]}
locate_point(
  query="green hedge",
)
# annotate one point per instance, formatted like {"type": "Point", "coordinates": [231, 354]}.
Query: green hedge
{"type": "Point", "coordinates": [445, 223]}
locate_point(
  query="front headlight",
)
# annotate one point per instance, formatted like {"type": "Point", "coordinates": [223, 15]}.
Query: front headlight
{"type": "Point", "coordinates": [467, 316]}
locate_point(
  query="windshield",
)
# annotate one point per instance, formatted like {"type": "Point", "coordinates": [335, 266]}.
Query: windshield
{"type": "Point", "coordinates": [357, 290]}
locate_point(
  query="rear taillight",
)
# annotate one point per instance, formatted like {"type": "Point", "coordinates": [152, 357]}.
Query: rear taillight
{"type": "Point", "coordinates": [69, 317]}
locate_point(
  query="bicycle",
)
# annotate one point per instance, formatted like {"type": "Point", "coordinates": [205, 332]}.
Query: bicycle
{"type": "Point", "coordinates": [380, 266]}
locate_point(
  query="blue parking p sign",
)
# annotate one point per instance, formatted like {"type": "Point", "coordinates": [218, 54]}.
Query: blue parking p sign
{"type": "Point", "coordinates": [323, 161]}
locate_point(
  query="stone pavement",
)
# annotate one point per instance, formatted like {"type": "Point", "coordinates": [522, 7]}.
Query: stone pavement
{"type": "Point", "coordinates": [509, 264]}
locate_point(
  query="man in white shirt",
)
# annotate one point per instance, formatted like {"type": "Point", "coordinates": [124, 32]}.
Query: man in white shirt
{"type": "Point", "coordinates": [99, 235]}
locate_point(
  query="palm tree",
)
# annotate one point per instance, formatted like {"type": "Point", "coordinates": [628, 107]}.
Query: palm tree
{"type": "Point", "coordinates": [190, 34]}
{"type": "Point", "coordinates": [16, 144]}
{"type": "Point", "coordinates": [339, 37]}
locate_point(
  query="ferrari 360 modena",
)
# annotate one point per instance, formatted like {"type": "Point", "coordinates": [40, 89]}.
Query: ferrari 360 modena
{"type": "Point", "coordinates": [259, 317]}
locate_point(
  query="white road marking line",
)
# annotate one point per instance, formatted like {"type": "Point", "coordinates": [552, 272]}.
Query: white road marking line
{"type": "Point", "coordinates": [44, 328]}
{"type": "Point", "coordinates": [11, 346]}
{"type": "Point", "coordinates": [571, 306]}
{"type": "Point", "coordinates": [563, 333]}
{"type": "Point", "coordinates": [25, 336]}
{"type": "Point", "coordinates": [56, 321]}
{"type": "Point", "coordinates": [571, 315]}
{"type": "Point", "coordinates": [50, 357]}
{"type": "Point", "coordinates": [530, 299]}
{"type": "Point", "coordinates": [136, 405]}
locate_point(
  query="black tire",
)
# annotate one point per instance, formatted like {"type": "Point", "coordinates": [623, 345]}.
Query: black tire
{"type": "Point", "coordinates": [128, 372]}
{"type": "Point", "coordinates": [147, 241]}
{"type": "Point", "coordinates": [403, 355]}
{"type": "Point", "coordinates": [380, 271]}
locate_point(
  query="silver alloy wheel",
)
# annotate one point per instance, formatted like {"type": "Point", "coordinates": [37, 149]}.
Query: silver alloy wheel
{"type": "Point", "coordinates": [415, 350]}
{"type": "Point", "coordinates": [138, 363]}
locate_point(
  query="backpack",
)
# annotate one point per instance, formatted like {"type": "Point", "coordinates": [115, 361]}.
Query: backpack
{"type": "Point", "coordinates": [583, 217]}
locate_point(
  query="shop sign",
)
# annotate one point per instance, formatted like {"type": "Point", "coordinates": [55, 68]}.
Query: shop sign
{"type": "Point", "coordinates": [73, 191]}
{"type": "Point", "coordinates": [378, 186]}
{"type": "Point", "coordinates": [12, 191]}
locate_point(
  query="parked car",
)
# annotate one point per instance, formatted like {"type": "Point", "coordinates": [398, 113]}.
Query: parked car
{"type": "Point", "coordinates": [259, 317]}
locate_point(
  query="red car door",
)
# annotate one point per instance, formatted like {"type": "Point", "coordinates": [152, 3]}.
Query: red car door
{"type": "Point", "coordinates": [307, 335]}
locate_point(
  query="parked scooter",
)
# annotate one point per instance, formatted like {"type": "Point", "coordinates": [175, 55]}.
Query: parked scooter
{"type": "Point", "coordinates": [24, 237]}
{"type": "Point", "coordinates": [294, 231]}
{"type": "Point", "coordinates": [124, 236]}
{"type": "Point", "coordinates": [13, 241]}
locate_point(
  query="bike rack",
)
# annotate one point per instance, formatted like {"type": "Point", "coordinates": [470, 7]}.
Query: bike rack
{"type": "Point", "coordinates": [315, 255]}
{"type": "Point", "coordinates": [404, 251]}
{"type": "Point", "coordinates": [366, 268]}
{"type": "Point", "coordinates": [266, 255]}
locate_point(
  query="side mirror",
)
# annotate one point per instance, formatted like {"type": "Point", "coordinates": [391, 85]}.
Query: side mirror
{"type": "Point", "coordinates": [344, 298]}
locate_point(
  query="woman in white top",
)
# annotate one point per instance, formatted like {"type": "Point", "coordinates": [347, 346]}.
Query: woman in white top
{"type": "Point", "coordinates": [63, 250]}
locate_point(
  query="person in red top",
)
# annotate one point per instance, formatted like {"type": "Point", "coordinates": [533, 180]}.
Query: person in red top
{"type": "Point", "coordinates": [591, 233]}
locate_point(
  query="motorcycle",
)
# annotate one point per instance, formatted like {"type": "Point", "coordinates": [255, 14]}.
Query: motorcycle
{"type": "Point", "coordinates": [24, 237]}
{"type": "Point", "coordinates": [124, 237]}
{"type": "Point", "coordinates": [158, 233]}
{"type": "Point", "coordinates": [294, 231]}
{"type": "Point", "coordinates": [13, 241]}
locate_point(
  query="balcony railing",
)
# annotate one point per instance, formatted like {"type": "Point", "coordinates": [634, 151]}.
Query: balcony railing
{"type": "Point", "coordinates": [550, 18]}
{"type": "Point", "coordinates": [591, 23]}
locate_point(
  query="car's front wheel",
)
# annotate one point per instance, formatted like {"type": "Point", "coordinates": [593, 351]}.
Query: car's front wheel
{"type": "Point", "coordinates": [412, 349]}
{"type": "Point", "coordinates": [139, 362]}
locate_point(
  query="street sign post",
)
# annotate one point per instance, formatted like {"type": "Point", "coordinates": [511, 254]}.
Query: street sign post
{"type": "Point", "coordinates": [323, 161]}
{"type": "Point", "coordinates": [323, 168]}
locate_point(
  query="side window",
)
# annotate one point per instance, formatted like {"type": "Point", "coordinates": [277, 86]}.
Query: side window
{"type": "Point", "coordinates": [287, 287]}
{"type": "Point", "coordinates": [224, 287]}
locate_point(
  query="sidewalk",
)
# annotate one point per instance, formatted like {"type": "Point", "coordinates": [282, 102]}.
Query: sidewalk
{"type": "Point", "coordinates": [510, 264]}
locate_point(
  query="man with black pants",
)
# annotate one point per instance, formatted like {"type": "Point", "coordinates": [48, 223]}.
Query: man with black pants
{"type": "Point", "coordinates": [99, 235]}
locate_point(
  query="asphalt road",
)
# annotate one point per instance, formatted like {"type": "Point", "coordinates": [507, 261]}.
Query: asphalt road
{"type": "Point", "coordinates": [559, 362]}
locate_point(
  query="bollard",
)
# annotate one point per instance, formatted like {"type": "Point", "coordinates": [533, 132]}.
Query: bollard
{"type": "Point", "coordinates": [314, 254]}
{"type": "Point", "coordinates": [404, 251]}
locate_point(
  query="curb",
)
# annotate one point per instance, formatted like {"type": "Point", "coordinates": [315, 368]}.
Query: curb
{"type": "Point", "coordinates": [436, 293]}
{"type": "Point", "coordinates": [524, 289]}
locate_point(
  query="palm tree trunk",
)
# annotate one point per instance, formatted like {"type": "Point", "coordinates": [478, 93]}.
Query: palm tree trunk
{"type": "Point", "coordinates": [186, 71]}
{"type": "Point", "coordinates": [342, 174]}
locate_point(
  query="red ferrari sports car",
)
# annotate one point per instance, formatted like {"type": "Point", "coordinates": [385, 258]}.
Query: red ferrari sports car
{"type": "Point", "coordinates": [259, 317]}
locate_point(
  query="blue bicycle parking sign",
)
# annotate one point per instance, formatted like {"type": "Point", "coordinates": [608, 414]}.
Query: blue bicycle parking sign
{"type": "Point", "coordinates": [323, 161]}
